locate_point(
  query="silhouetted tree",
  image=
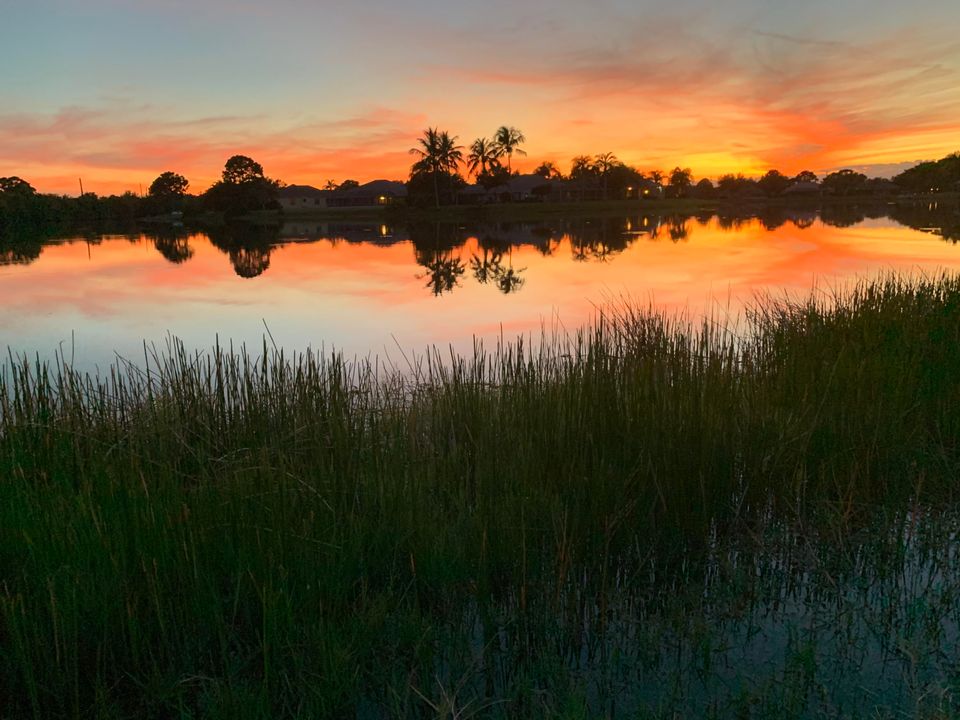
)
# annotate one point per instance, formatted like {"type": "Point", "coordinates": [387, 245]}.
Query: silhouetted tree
{"type": "Point", "coordinates": [14, 185]}
{"type": "Point", "coordinates": [439, 154]}
{"type": "Point", "coordinates": [932, 177]}
{"type": "Point", "coordinates": [483, 155]}
{"type": "Point", "coordinates": [242, 188]}
{"type": "Point", "coordinates": [582, 166]}
{"type": "Point", "coordinates": [844, 182]}
{"type": "Point", "coordinates": [169, 185]}
{"type": "Point", "coordinates": [349, 185]}
{"type": "Point", "coordinates": [241, 169]}
{"type": "Point", "coordinates": [806, 176]}
{"type": "Point", "coordinates": [737, 186]}
{"type": "Point", "coordinates": [704, 189]}
{"type": "Point", "coordinates": [507, 141]}
{"type": "Point", "coordinates": [603, 164]}
{"type": "Point", "coordinates": [548, 170]}
{"type": "Point", "coordinates": [773, 183]}
{"type": "Point", "coordinates": [495, 176]}
{"type": "Point", "coordinates": [681, 180]}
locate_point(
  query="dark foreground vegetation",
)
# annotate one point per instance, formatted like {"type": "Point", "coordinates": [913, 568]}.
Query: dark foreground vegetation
{"type": "Point", "coordinates": [649, 519]}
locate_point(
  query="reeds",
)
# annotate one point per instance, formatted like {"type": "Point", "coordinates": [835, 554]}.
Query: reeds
{"type": "Point", "coordinates": [244, 534]}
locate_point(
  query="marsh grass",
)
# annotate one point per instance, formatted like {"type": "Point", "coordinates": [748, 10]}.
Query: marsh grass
{"type": "Point", "coordinates": [530, 531]}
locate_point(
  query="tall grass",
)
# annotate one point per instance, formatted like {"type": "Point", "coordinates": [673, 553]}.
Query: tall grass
{"type": "Point", "coordinates": [231, 535]}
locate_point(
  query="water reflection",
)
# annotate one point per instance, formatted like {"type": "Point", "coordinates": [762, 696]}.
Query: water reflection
{"type": "Point", "coordinates": [359, 285]}
{"type": "Point", "coordinates": [438, 247]}
{"type": "Point", "coordinates": [248, 246]}
{"type": "Point", "coordinates": [173, 244]}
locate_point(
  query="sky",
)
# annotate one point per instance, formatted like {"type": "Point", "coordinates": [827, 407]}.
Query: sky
{"type": "Point", "coordinates": [117, 91]}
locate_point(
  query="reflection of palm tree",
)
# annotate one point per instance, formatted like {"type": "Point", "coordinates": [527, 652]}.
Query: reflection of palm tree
{"type": "Point", "coordinates": [487, 266]}
{"type": "Point", "coordinates": [545, 242]}
{"type": "Point", "coordinates": [443, 272]}
{"type": "Point", "coordinates": [483, 155]}
{"type": "Point", "coordinates": [508, 141]}
{"type": "Point", "coordinates": [509, 280]}
{"type": "Point", "coordinates": [438, 153]}
{"type": "Point", "coordinates": [678, 229]}
{"type": "Point", "coordinates": [579, 248]}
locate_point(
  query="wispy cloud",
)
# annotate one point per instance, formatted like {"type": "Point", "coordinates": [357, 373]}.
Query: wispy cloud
{"type": "Point", "coordinates": [119, 151]}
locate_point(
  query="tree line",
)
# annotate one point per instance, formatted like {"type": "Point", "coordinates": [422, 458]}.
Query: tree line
{"type": "Point", "coordinates": [438, 175]}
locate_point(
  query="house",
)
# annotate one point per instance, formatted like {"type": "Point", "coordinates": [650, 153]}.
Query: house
{"type": "Point", "coordinates": [804, 188]}
{"type": "Point", "coordinates": [519, 188]}
{"type": "Point", "coordinates": [302, 197]}
{"type": "Point", "coordinates": [376, 192]}
{"type": "Point", "coordinates": [645, 189]}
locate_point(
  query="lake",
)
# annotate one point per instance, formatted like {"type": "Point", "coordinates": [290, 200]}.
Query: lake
{"type": "Point", "coordinates": [368, 288]}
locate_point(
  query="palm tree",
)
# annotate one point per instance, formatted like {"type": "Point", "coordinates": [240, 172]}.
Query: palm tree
{"type": "Point", "coordinates": [681, 180]}
{"type": "Point", "coordinates": [548, 170]}
{"type": "Point", "coordinates": [604, 163]}
{"type": "Point", "coordinates": [438, 152]}
{"type": "Point", "coordinates": [483, 155]}
{"type": "Point", "coordinates": [507, 141]}
{"type": "Point", "coordinates": [581, 167]}
{"type": "Point", "coordinates": [331, 185]}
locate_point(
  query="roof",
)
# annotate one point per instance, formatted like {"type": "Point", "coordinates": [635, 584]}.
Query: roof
{"type": "Point", "coordinates": [376, 187]}
{"type": "Point", "coordinates": [526, 183]}
{"type": "Point", "coordinates": [309, 191]}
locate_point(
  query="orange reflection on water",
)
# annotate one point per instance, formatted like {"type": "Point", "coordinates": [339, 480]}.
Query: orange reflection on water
{"type": "Point", "coordinates": [370, 295]}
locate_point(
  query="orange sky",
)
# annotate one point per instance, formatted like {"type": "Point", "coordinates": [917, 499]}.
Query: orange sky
{"type": "Point", "coordinates": [117, 92]}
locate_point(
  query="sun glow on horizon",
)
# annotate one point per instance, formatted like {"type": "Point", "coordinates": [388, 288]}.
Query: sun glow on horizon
{"type": "Point", "coordinates": [742, 89]}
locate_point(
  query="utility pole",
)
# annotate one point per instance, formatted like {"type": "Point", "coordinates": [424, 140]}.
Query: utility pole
{"type": "Point", "coordinates": [81, 185]}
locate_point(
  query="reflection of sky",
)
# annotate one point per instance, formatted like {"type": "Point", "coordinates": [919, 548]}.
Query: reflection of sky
{"type": "Point", "coordinates": [118, 91]}
{"type": "Point", "coordinates": [365, 298]}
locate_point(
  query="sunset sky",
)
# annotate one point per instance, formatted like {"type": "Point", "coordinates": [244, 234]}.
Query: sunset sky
{"type": "Point", "coordinates": [117, 91]}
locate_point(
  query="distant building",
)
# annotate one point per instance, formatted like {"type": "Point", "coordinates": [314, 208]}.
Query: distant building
{"type": "Point", "coordinates": [804, 188]}
{"type": "Point", "coordinates": [302, 197]}
{"type": "Point", "coordinates": [376, 192]}
{"type": "Point", "coordinates": [519, 188]}
{"type": "Point", "coordinates": [536, 188]}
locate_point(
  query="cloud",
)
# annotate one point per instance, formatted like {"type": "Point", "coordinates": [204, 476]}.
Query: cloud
{"type": "Point", "coordinates": [115, 152]}
{"type": "Point", "coordinates": [740, 87]}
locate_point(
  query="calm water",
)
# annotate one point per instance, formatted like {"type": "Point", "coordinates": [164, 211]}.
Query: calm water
{"type": "Point", "coordinates": [374, 289]}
